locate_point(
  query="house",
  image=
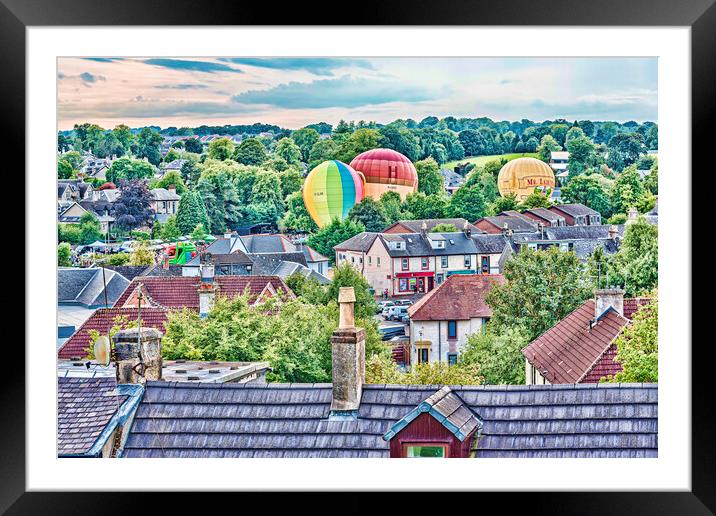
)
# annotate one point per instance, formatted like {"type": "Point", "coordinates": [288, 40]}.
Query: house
{"type": "Point", "coordinates": [172, 166]}
{"type": "Point", "coordinates": [95, 167]}
{"type": "Point", "coordinates": [69, 190]}
{"type": "Point", "coordinates": [506, 222]}
{"type": "Point", "coordinates": [416, 226]}
{"type": "Point", "coordinates": [580, 348]}
{"type": "Point", "coordinates": [452, 180]}
{"type": "Point", "coordinates": [165, 202]}
{"type": "Point", "coordinates": [414, 263]}
{"type": "Point", "coordinates": [559, 161]}
{"type": "Point", "coordinates": [101, 209]}
{"type": "Point", "coordinates": [442, 320]}
{"type": "Point", "coordinates": [545, 217]}
{"type": "Point", "coordinates": [577, 214]}
{"type": "Point", "coordinates": [582, 240]}
{"type": "Point", "coordinates": [351, 419]}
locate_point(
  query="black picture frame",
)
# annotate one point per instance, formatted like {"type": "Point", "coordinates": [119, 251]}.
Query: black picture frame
{"type": "Point", "coordinates": [700, 15]}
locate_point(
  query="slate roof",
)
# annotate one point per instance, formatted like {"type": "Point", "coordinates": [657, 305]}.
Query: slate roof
{"type": "Point", "coordinates": [291, 420]}
{"type": "Point", "coordinates": [574, 210]}
{"type": "Point", "coordinates": [102, 320]}
{"type": "Point", "coordinates": [87, 287]}
{"type": "Point", "coordinates": [312, 255]}
{"type": "Point", "coordinates": [490, 244]}
{"type": "Point", "coordinates": [568, 351]}
{"type": "Point", "coordinates": [162, 194]}
{"type": "Point", "coordinates": [84, 407]}
{"type": "Point", "coordinates": [546, 214]}
{"type": "Point", "coordinates": [360, 243]}
{"type": "Point", "coordinates": [516, 224]}
{"type": "Point", "coordinates": [417, 245]}
{"type": "Point", "coordinates": [459, 297]}
{"type": "Point", "coordinates": [181, 291]}
{"type": "Point", "coordinates": [415, 226]}
{"type": "Point", "coordinates": [268, 244]}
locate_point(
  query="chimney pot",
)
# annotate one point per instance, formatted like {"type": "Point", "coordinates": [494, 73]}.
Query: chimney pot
{"type": "Point", "coordinates": [348, 359]}
{"type": "Point", "coordinates": [134, 346]}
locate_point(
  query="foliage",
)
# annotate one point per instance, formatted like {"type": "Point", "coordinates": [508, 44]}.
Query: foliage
{"type": "Point", "coordinates": [170, 231]}
{"type": "Point", "coordinates": [345, 275]}
{"type": "Point", "coordinates": [112, 259]}
{"type": "Point", "coordinates": [390, 204]}
{"type": "Point", "coordinates": [287, 149]}
{"type": "Point", "coordinates": [637, 347]}
{"type": "Point", "coordinates": [321, 151]}
{"type": "Point", "coordinates": [64, 255]}
{"type": "Point", "coordinates": [305, 139]}
{"type": "Point", "coordinates": [636, 266]}
{"type": "Point", "coordinates": [359, 141]}
{"type": "Point", "coordinates": [198, 233]}
{"type": "Point", "coordinates": [171, 178]}
{"type": "Point", "coordinates": [133, 208]}
{"type": "Point", "coordinates": [624, 150]}
{"type": "Point", "coordinates": [582, 155]}
{"type": "Point", "coordinates": [590, 190]}
{"type": "Point", "coordinates": [250, 152]}
{"type": "Point", "coordinates": [291, 181]}
{"type": "Point", "coordinates": [382, 370]}
{"type": "Point", "coordinates": [500, 204]}
{"type": "Point", "coordinates": [444, 228]}
{"type": "Point", "coordinates": [193, 145]}
{"type": "Point", "coordinates": [296, 217]}
{"type": "Point", "coordinates": [64, 169]}
{"type": "Point", "coordinates": [542, 288]}
{"type": "Point", "coordinates": [119, 322]}
{"type": "Point", "coordinates": [369, 212]}
{"type": "Point", "coordinates": [142, 255]}
{"type": "Point", "coordinates": [468, 202]}
{"type": "Point", "coordinates": [422, 206]}
{"type": "Point", "coordinates": [499, 354]}
{"type": "Point", "coordinates": [129, 169]}
{"type": "Point", "coordinates": [547, 145]}
{"type": "Point", "coordinates": [188, 214]}
{"type": "Point", "coordinates": [430, 180]}
{"type": "Point", "coordinates": [147, 146]}
{"type": "Point", "coordinates": [333, 234]}
{"type": "Point", "coordinates": [617, 218]}
{"type": "Point", "coordinates": [221, 149]}
{"type": "Point", "coordinates": [535, 200]}
{"type": "Point", "coordinates": [627, 191]}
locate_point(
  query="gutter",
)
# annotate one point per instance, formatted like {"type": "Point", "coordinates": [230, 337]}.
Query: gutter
{"type": "Point", "coordinates": [120, 417]}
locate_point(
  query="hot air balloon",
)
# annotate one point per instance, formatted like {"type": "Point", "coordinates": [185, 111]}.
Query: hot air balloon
{"type": "Point", "coordinates": [331, 190]}
{"type": "Point", "coordinates": [386, 170]}
{"type": "Point", "coordinates": [522, 175]}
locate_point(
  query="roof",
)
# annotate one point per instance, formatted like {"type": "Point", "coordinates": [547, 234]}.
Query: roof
{"type": "Point", "coordinates": [268, 244]}
{"type": "Point", "coordinates": [102, 320]}
{"type": "Point", "coordinates": [236, 257]}
{"type": "Point", "coordinates": [459, 297]}
{"type": "Point", "coordinates": [545, 214]}
{"type": "Point", "coordinates": [181, 291]}
{"type": "Point", "coordinates": [574, 210]}
{"type": "Point", "coordinates": [490, 244]}
{"type": "Point", "coordinates": [87, 286]}
{"type": "Point", "coordinates": [267, 264]}
{"type": "Point", "coordinates": [312, 255]}
{"type": "Point", "coordinates": [516, 224]}
{"type": "Point", "coordinates": [162, 194]}
{"type": "Point", "coordinates": [361, 242]}
{"type": "Point", "coordinates": [633, 304]}
{"type": "Point", "coordinates": [212, 372]}
{"type": "Point", "coordinates": [88, 410]}
{"type": "Point", "coordinates": [416, 226]}
{"type": "Point", "coordinates": [291, 420]}
{"type": "Point", "coordinates": [569, 350]}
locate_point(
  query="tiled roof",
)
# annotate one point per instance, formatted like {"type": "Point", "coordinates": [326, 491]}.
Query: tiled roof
{"type": "Point", "coordinates": [162, 194]}
{"type": "Point", "coordinates": [181, 291]}
{"type": "Point", "coordinates": [312, 255]}
{"type": "Point", "coordinates": [569, 350]}
{"type": "Point", "coordinates": [291, 420]}
{"type": "Point", "coordinates": [516, 224]}
{"type": "Point", "coordinates": [84, 407]}
{"type": "Point", "coordinates": [415, 226]}
{"type": "Point", "coordinates": [546, 214]}
{"type": "Point", "coordinates": [459, 297]}
{"type": "Point", "coordinates": [86, 286]}
{"type": "Point", "coordinates": [606, 366]}
{"type": "Point", "coordinates": [574, 210]}
{"type": "Point", "coordinates": [633, 304]}
{"type": "Point", "coordinates": [268, 244]}
{"type": "Point", "coordinates": [361, 242]}
{"type": "Point", "coordinates": [102, 320]}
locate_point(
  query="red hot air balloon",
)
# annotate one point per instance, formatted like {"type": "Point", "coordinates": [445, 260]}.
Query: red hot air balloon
{"type": "Point", "coordinates": [386, 170]}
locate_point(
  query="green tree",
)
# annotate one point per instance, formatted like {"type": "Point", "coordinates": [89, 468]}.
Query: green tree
{"type": "Point", "coordinates": [64, 169]}
{"type": "Point", "coordinates": [534, 200]}
{"type": "Point", "coordinates": [291, 181]}
{"type": "Point", "coordinates": [369, 212]}
{"type": "Point", "coordinates": [542, 288]}
{"type": "Point", "coordinates": [391, 206]}
{"type": "Point", "coordinates": [359, 141]}
{"type": "Point", "coordinates": [321, 151]}
{"type": "Point", "coordinates": [129, 169]}
{"type": "Point", "coordinates": [198, 233]}
{"type": "Point", "coordinates": [193, 145]}
{"type": "Point", "coordinates": [188, 214]}
{"type": "Point", "coordinates": [333, 234]}
{"type": "Point", "coordinates": [547, 146]}
{"type": "Point", "coordinates": [171, 178]}
{"type": "Point", "coordinates": [305, 139]}
{"type": "Point", "coordinates": [147, 146]}
{"type": "Point", "coordinates": [627, 191]}
{"type": "Point", "coordinates": [499, 355]}
{"type": "Point", "coordinates": [588, 190]}
{"type": "Point", "coordinates": [251, 152]}
{"type": "Point", "coordinates": [444, 228]}
{"type": "Point", "coordinates": [296, 217]}
{"type": "Point", "coordinates": [624, 150]}
{"type": "Point", "coordinates": [170, 230]}
{"type": "Point", "coordinates": [637, 347]}
{"type": "Point", "coordinates": [468, 203]}
{"type": "Point", "coordinates": [582, 155]}
{"type": "Point", "coordinates": [345, 275]}
{"type": "Point", "coordinates": [221, 149]}
{"type": "Point", "coordinates": [64, 255]}
{"type": "Point", "coordinates": [382, 370]}
{"type": "Point", "coordinates": [142, 255]}
{"type": "Point", "coordinates": [635, 267]}
{"type": "Point", "coordinates": [90, 229]}
{"type": "Point", "coordinates": [500, 204]}
{"type": "Point", "coordinates": [430, 180]}
{"type": "Point", "coordinates": [401, 140]}
{"type": "Point", "coordinates": [287, 149]}
{"type": "Point", "coordinates": [422, 206]}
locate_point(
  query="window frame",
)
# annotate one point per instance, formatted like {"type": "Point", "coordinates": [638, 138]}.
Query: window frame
{"type": "Point", "coordinates": [454, 335]}
{"type": "Point", "coordinates": [405, 264]}
{"type": "Point", "coordinates": [485, 265]}
{"type": "Point", "coordinates": [467, 261]}
{"type": "Point", "coordinates": [424, 444]}
{"type": "Point", "coordinates": [444, 262]}
{"type": "Point", "coordinates": [424, 263]}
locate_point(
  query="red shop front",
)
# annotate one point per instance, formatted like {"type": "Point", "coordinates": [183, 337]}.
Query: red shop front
{"type": "Point", "coordinates": [414, 282]}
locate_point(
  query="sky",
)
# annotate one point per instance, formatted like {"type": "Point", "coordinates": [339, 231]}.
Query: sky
{"type": "Point", "coordinates": [293, 92]}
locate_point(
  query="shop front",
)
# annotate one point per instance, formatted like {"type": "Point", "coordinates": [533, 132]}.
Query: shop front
{"type": "Point", "coordinates": [414, 282]}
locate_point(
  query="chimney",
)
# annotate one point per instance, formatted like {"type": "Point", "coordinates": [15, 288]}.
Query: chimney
{"type": "Point", "coordinates": [138, 353]}
{"type": "Point", "coordinates": [207, 288]}
{"type": "Point", "coordinates": [423, 229]}
{"type": "Point", "coordinates": [466, 229]}
{"type": "Point", "coordinates": [632, 215]}
{"type": "Point", "coordinates": [606, 297]}
{"type": "Point", "coordinates": [613, 232]}
{"type": "Point", "coordinates": [172, 188]}
{"type": "Point", "coordinates": [348, 357]}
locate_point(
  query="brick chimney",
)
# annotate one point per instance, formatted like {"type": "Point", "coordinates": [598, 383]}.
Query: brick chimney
{"type": "Point", "coordinates": [207, 287]}
{"type": "Point", "coordinates": [632, 214]}
{"type": "Point", "coordinates": [606, 297]}
{"type": "Point", "coordinates": [466, 229]}
{"type": "Point", "coordinates": [348, 356]}
{"type": "Point", "coordinates": [172, 189]}
{"type": "Point", "coordinates": [138, 353]}
{"type": "Point", "coordinates": [612, 232]}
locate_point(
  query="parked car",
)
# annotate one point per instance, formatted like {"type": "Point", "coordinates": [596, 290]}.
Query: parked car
{"type": "Point", "coordinates": [390, 332]}
{"type": "Point", "coordinates": [404, 302]}
{"type": "Point", "coordinates": [405, 318]}
{"type": "Point", "coordinates": [398, 313]}
{"type": "Point", "coordinates": [388, 310]}
{"type": "Point", "coordinates": [383, 304]}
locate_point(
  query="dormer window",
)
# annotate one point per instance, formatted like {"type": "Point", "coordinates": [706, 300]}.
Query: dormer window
{"type": "Point", "coordinates": [425, 450]}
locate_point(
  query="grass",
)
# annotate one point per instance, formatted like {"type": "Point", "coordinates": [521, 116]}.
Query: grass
{"type": "Point", "coordinates": [481, 160]}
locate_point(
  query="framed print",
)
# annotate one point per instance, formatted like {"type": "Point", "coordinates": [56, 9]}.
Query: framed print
{"type": "Point", "coordinates": [281, 256]}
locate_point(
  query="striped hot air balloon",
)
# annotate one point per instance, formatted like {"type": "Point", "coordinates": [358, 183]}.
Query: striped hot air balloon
{"type": "Point", "coordinates": [386, 170]}
{"type": "Point", "coordinates": [331, 190]}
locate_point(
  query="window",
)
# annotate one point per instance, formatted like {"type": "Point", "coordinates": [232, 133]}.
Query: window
{"type": "Point", "coordinates": [353, 259]}
{"type": "Point", "coordinates": [370, 260]}
{"type": "Point", "coordinates": [444, 262]}
{"type": "Point", "coordinates": [485, 266]}
{"type": "Point", "coordinates": [377, 260]}
{"type": "Point", "coordinates": [468, 261]}
{"type": "Point", "coordinates": [425, 451]}
{"type": "Point", "coordinates": [452, 329]}
{"type": "Point", "coordinates": [423, 355]}
{"type": "Point", "coordinates": [452, 358]}
{"type": "Point", "coordinates": [439, 278]}
{"type": "Point", "coordinates": [404, 264]}
{"type": "Point", "coordinates": [424, 263]}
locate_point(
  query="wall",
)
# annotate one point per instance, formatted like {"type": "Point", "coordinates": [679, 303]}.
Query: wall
{"type": "Point", "coordinates": [377, 274]}
{"type": "Point", "coordinates": [425, 429]}
{"type": "Point", "coordinates": [488, 227]}
{"type": "Point", "coordinates": [437, 333]}
{"type": "Point", "coordinates": [530, 372]}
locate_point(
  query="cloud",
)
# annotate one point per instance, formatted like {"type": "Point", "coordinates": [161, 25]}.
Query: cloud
{"type": "Point", "coordinates": [103, 59]}
{"type": "Point", "coordinates": [194, 66]}
{"type": "Point", "coordinates": [181, 86]}
{"type": "Point", "coordinates": [347, 92]}
{"type": "Point", "coordinates": [140, 106]}
{"type": "Point", "coordinates": [315, 65]}
{"type": "Point", "coordinates": [85, 77]}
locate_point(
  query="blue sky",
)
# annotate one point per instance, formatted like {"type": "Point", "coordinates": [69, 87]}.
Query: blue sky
{"type": "Point", "coordinates": [292, 92]}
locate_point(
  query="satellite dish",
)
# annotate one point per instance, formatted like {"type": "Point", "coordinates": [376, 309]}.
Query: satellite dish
{"type": "Point", "coordinates": [102, 350]}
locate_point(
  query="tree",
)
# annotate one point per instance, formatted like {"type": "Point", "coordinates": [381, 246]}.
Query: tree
{"type": "Point", "coordinates": [321, 151]}
{"type": "Point", "coordinates": [171, 178]}
{"type": "Point", "coordinates": [170, 230]}
{"type": "Point", "coordinates": [147, 146]}
{"type": "Point", "coordinates": [547, 146]}
{"type": "Point", "coordinates": [129, 169]}
{"type": "Point", "coordinates": [142, 255]}
{"type": "Point", "coordinates": [390, 204]}
{"type": "Point", "coordinates": [291, 181]}
{"type": "Point", "coordinates": [534, 200]}
{"type": "Point", "coordinates": [401, 140]}
{"type": "Point", "coordinates": [360, 140]}
{"type": "Point", "coordinates": [198, 233]}
{"type": "Point", "coordinates": [588, 190]}
{"type": "Point", "coordinates": [382, 370]}
{"type": "Point", "coordinates": [574, 132]}
{"type": "Point", "coordinates": [444, 228]}
{"type": "Point", "coordinates": [287, 149]}
{"type": "Point", "coordinates": [627, 191]}
{"type": "Point", "coordinates": [305, 139]}
{"type": "Point", "coordinates": [637, 347]}
{"type": "Point", "coordinates": [133, 208]}
{"type": "Point", "coordinates": [64, 255]}
{"type": "Point", "coordinates": [296, 217]}
{"type": "Point", "coordinates": [500, 204]}
{"type": "Point", "coordinates": [265, 194]}
{"type": "Point", "coordinates": [90, 229]}
{"type": "Point", "coordinates": [430, 180]}
{"type": "Point", "coordinates": [193, 145]}
{"type": "Point", "coordinates": [581, 155]}
{"type": "Point", "coordinates": [369, 213]}
{"type": "Point", "coordinates": [218, 187]}
{"type": "Point", "coordinates": [190, 172]}
{"type": "Point", "coordinates": [635, 267]}
{"type": "Point", "coordinates": [541, 288]}
{"type": "Point", "coordinates": [333, 234]}
{"type": "Point", "coordinates": [422, 206]}
{"type": "Point", "coordinates": [250, 152]}
{"type": "Point", "coordinates": [468, 203]}
{"type": "Point", "coordinates": [559, 132]}
{"type": "Point", "coordinates": [499, 355]}
{"type": "Point", "coordinates": [624, 149]}
{"type": "Point", "coordinates": [188, 214]}
{"type": "Point", "coordinates": [346, 275]}
{"type": "Point", "coordinates": [124, 136]}
{"type": "Point", "coordinates": [64, 169]}
{"type": "Point", "coordinates": [221, 149]}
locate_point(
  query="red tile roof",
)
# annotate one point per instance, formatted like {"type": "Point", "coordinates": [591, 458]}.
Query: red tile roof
{"type": "Point", "coordinates": [632, 304]}
{"type": "Point", "coordinates": [182, 291]}
{"type": "Point", "coordinates": [570, 349]}
{"type": "Point", "coordinates": [459, 297]}
{"type": "Point", "coordinates": [102, 320]}
{"type": "Point", "coordinates": [605, 366]}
